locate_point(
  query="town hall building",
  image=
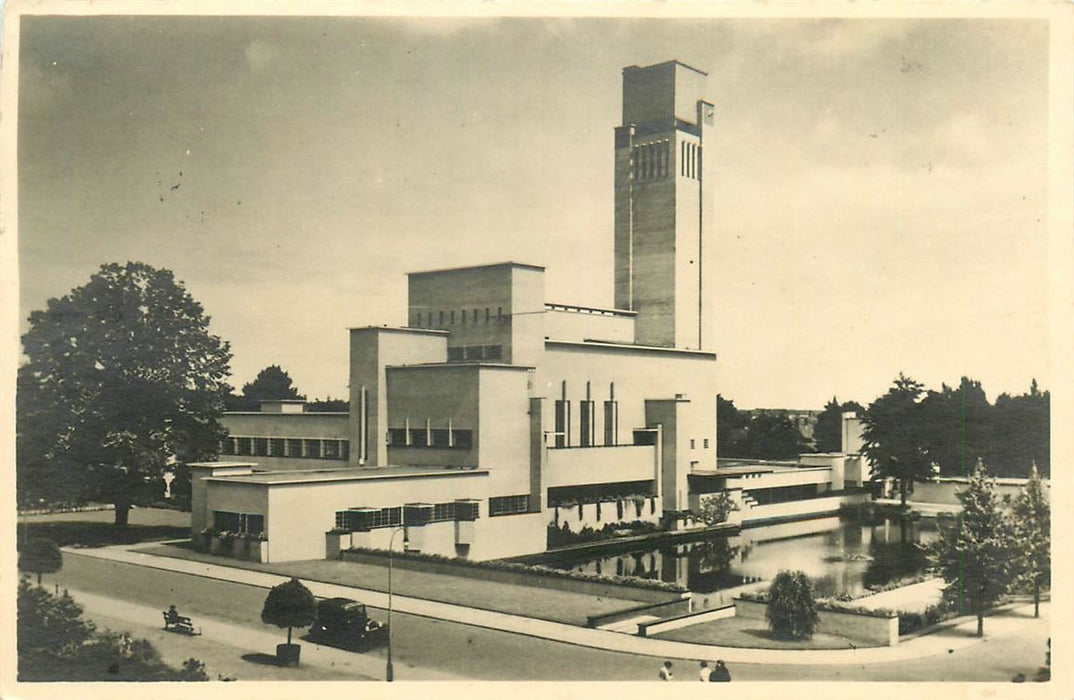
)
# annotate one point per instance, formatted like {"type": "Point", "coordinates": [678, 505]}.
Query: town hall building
{"type": "Point", "coordinates": [496, 410]}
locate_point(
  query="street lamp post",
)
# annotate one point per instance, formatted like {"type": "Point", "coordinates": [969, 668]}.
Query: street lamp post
{"type": "Point", "coordinates": [389, 673]}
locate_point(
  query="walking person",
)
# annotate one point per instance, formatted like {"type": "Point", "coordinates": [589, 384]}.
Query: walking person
{"type": "Point", "coordinates": [720, 674]}
{"type": "Point", "coordinates": [665, 671]}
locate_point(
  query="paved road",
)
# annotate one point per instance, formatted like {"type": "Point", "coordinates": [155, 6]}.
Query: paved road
{"type": "Point", "coordinates": [435, 648]}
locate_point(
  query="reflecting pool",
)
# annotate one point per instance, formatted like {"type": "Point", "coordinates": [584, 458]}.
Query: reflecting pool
{"type": "Point", "coordinates": [840, 555]}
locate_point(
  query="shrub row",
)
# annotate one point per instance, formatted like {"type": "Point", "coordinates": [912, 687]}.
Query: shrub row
{"type": "Point", "coordinates": [536, 569]}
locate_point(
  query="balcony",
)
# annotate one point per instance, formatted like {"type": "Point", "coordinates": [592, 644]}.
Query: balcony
{"type": "Point", "coordinates": [578, 466]}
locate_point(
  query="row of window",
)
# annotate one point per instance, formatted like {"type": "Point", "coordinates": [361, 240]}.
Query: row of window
{"type": "Point", "coordinates": [783, 494]}
{"type": "Point", "coordinates": [449, 317]}
{"type": "Point", "coordinates": [508, 505]}
{"type": "Point", "coordinates": [359, 519]}
{"type": "Point", "coordinates": [246, 523]}
{"type": "Point", "coordinates": [298, 448]}
{"type": "Point", "coordinates": [463, 353]}
{"type": "Point", "coordinates": [587, 420]}
{"type": "Point", "coordinates": [431, 437]}
{"type": "Point", "coordinates": [652, 160]}
{"type": "Point", "coordinates": [690, 160]}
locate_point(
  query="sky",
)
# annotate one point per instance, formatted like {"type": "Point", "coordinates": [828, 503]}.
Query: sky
{"type": "Point", "coordinates": [880, 203]}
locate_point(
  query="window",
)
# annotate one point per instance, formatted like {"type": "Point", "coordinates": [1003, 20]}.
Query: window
{"type": "Point", "coordinates": [455, 354]}
{"type": "Point", "coordinates": [276, 447]}
{"type": "Point", "coordinates": [585, 419]}
{"type": "Point", "coordinates": [508, 505]}
{"type": "Point", "coordinates": [706, 443]}
{"type": "Point", "coordinates": [331, 449]}
{"type": "Point", "coordinates": [396, 436]}
{"type": "Point", "coordinates": [611, 422]}
{"type": "Point", "coordinates": [692, 444]}
{"type": "Point", "coordinates": [563, 423]}
{"type": "Point", "coordinates": [243, 446]}
{"type": "Point", "coordinates": [441, 437]}
{"type": "Point", "coordinates": [260, 447]}
{"type": "Point", "coordinates": [418, 437]}
{"type": "Point", "coordinates": [463, 312]}
{"type": "Point", "coordinates": [453, 316]}
{"type": "Point", "coordinates": [487, 314]}
{"type": "Point", "coordinates": [293, 447]}
{"type": "Point", "coordinates": [466, 510]}
{"type": "Point", "coordinates": [492, 352]}
{"type": "Point", "coordinates": [462, 439]}
{"type": "Point", "coordinates": [344, 449]}
{"type": "Point", "coordinates": [313, 449]}
{"type": "Point", "coordinates": [387, 517]}
{"type": "Point", "coordinates": [248, 523]}
{"type": "Point", "coordinates": [499, 312]}
{"type": "Point", "coordinates": [442, 512]}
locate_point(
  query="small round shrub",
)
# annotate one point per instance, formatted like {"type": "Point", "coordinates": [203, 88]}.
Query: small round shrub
{"type": "Point", "coordinates": [792, 608]}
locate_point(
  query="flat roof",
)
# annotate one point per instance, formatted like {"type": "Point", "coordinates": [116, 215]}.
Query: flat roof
{"type": "Point", "coordinates": [731, 471]}
{"type": "Point", "coordinates": [460, 364]}
{"type": "Point", "coordinates": [509, 263]}
{"type": "Point", "coordinates": [594, 344]}
{"type": "Point", "coordinates": [312, 476]}
{"type": "Point", "coordinates": [221, 464]}
{"type": "Point", "coordinates": [400, 329]}
{"type": "Point", "coordinates": [575, 308]}
{"type": "Point", "coordinates": [665, 63]}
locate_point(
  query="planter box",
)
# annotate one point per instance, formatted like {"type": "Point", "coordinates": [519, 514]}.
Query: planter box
{"type": "Point", "coordinates": [868, 629]}
{"type": "Point", "coordinates": [288, 654]}
{"type": "Point", "coordinates": [218, 545]}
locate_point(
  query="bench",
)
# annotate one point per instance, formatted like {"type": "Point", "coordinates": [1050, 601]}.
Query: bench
{"type": "Point", "coordinates": [179, 623]}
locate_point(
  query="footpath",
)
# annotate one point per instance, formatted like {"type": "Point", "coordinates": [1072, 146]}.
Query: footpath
{"type": "Point", "coordinates": [955, 635]}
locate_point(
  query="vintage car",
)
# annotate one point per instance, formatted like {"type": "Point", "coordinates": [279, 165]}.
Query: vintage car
{"type": "Point", "coordinates": [344, 623]}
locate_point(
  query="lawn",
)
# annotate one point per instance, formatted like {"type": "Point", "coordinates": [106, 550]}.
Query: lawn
{"type": "Point", "coordinates": [752, 633]}
{"type": "Point", "coordinates": [96, 528]}
{"type": "Point", "coordinates": [531, 601]}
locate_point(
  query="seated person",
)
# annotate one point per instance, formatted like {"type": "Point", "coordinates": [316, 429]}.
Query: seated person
{"type": "Point", "coordinates": [173, 615]}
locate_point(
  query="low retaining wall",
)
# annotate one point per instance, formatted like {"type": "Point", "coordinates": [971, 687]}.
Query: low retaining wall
{"type": "Point", "coordinates": [672, 607]}
{"type": "Point", "coordinates": [519, 578]}
{"type": "Point", "coordinates": [877, 631]}
{"type": "Point", "coordinates": [648, 629]}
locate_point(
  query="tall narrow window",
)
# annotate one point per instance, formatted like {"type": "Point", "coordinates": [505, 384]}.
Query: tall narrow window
{"type": "Point", "coordinates": [463, 312]}
{"type": "Point", "coordinates": [441, 318]}
{"type": "Point", "coordinates": [586, 423]}
{"type": "Point", "coordinates": [487, 314]}
{"type": "Point", "coordinates": [611, 422]}
{"type": "Point", "coordinates": [563, 423]}
{"type": "Point", "coordinates": [699, 162]}
{"type": "Point", "coordinates": [682, 158]}
{"type": "Point", "coordinates": [453, 316]}
{"type": "Point", "coordinates": [499, 312]}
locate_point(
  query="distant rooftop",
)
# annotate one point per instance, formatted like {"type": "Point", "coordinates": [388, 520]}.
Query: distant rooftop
{"type": "Point", "coordinates": [674, 61]}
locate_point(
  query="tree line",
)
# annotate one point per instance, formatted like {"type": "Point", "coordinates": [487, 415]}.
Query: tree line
{"type": "Point", "coordinates": [910, 430]}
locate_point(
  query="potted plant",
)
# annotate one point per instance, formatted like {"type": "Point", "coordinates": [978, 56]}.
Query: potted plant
{"type": "Point", "coordinates": [289, 605]}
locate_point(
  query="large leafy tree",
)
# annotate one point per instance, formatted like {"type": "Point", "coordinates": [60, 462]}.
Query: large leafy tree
{"type": "Point", "coordinates": [122, 378]}
{"type": "Point", "coordinates": [271, 383]}
{"type": "Point", "coordinates": [956, 426]}
{"type": "Point", "coordinates": [828, 432]}
{"type": "Point", "coordinates": [894, 437]}
{"type": "Point", "coordinates": [974, 555]}
{"type": "Point", "coordinates": [772, 436]}
{"type": "Point", "coordinates": [1022, 437]}
{"type": "Point", "coordinates": [1031, 521]}
{"type": "Point", "coordinates": [730, 428]}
